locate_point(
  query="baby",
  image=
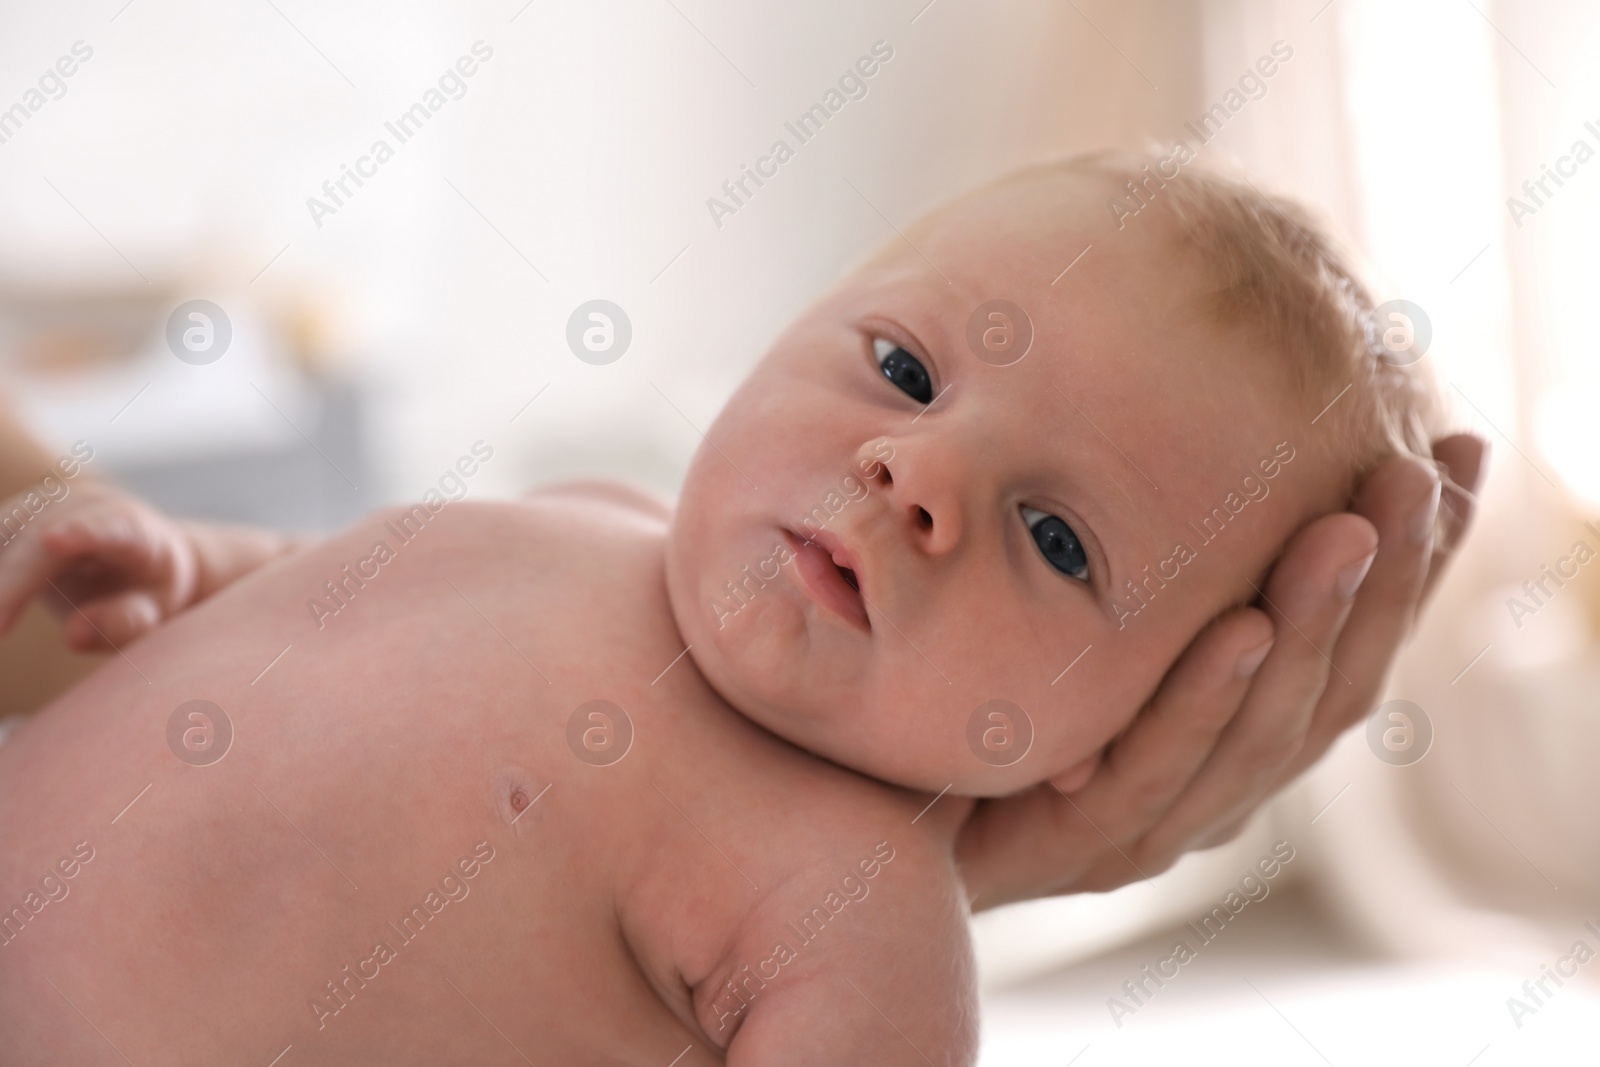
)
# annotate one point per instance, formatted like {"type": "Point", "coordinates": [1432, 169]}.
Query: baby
{"type": "Point", "coordinates": [584, 779]}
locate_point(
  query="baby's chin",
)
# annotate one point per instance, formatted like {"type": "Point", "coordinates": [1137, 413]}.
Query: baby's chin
{"type": "Point", "coordinates": [744, 654]}
{"type": "Point", "coordinates": [759, 676]}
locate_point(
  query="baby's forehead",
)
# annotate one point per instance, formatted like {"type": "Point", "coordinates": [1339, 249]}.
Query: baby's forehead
{"type": "Point", "coordinates": [1035, 208]}
{"type": "Point", "coordinates": [1045, 241]}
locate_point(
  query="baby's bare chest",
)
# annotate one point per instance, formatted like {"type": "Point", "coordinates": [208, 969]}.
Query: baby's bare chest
{"type": "Point", "coordinates": [474, 804]}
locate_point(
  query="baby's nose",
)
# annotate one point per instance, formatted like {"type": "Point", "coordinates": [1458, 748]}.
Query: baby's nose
{"type": "Point", "coordinates": [923, 488]}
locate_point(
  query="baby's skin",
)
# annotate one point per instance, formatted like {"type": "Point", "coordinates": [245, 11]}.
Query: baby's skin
{"type": "Point", "coordinates": [766, 873]}
{"type": "Point", "coordinates": [413, 754]}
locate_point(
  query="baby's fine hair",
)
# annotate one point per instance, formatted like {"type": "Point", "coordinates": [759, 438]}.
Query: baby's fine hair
{"type": "Point", "coordinates": [1271, 266]}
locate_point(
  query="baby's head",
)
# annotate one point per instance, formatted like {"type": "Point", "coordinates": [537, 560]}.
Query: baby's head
{"type": "Point", "coordinates": [920, 502]}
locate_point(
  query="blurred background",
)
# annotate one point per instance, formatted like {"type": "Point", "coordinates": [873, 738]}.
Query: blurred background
{"type": "Point", "coordinates": [376, 336]}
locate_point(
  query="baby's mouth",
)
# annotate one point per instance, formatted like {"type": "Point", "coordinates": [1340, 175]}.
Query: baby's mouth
{"type": "Point", "coordinates": [831, 584]}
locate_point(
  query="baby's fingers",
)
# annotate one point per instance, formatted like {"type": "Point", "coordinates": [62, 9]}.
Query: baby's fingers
{"type": "Point", "coordinates": [115, 541]}
{"type": "Point", "coordinates": [110, 622]}
{"type": "Point", "coordinates": [78, 560]}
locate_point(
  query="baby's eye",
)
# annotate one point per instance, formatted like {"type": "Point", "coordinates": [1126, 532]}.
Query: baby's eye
{"type": "Point", "coordinates": [904, 370]}
{"type": "Point", "coordinates": [1061, 547]}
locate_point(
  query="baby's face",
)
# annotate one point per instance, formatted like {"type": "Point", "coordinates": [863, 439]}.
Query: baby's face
{"type": "Point", "coordinates": [989, 534]}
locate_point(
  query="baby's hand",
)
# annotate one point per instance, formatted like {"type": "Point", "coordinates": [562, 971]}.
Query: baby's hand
{"type": "Point", "coordinates": [111, 566]}
{"type": "Point", "coordinates": [106, 563]}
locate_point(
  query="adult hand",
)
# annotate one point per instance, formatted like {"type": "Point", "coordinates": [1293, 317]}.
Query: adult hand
{"type": "Point", "coordinates": [1228, 728]}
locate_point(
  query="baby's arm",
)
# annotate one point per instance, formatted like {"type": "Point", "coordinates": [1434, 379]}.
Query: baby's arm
{"type": "Point", "coordinates": [889, 980]}
{"type": "Point", "coordinates": [112, 566]}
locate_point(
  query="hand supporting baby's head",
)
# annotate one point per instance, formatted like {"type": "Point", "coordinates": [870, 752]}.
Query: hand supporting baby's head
{"type": "Point", "coordinates": [949, 541]}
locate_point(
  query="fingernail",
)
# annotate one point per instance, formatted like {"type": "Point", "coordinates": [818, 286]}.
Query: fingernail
{"type": "Point", "coordinates": [1350, 578]}
{"type": "Point", "coordinates": [1251, 661]}
{"type": "Point", "coordinates": [1421, 524]}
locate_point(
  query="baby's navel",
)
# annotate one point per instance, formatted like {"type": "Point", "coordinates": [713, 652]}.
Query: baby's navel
{"type": "Point", "coordinates": [513, 791]}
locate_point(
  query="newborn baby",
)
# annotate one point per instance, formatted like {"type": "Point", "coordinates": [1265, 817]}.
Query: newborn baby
{"type": "Point", "coordinates": [583, 779]}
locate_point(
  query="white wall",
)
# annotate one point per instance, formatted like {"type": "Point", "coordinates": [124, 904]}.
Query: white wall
{"type": "Point", "coordinates": [590, 141]}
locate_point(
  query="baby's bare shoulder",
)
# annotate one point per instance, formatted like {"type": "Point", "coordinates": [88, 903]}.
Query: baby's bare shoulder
{"type": "Point", "coordinates": [864, 958]}
{"type": "Point", "coordinates": [594, 534]}
{"type": "Point", "coordinates": [571, 512]}
{"type": "Point", "coordinates": [598, 491]}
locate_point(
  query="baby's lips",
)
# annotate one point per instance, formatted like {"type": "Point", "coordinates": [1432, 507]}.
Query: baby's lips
{"type": "Point", "coordinates": [841, 554]}
{"type": "Point", "coordinates": [819, 572]}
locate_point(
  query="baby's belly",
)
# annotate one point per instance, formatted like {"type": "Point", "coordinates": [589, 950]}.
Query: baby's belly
{"type": "Point", "coordinates": [325, 832]}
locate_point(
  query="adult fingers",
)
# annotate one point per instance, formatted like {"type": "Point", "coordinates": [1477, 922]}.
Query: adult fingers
{"type": "Point", "coordinates": [1397, 500]}
{"type": "Point", "coordinates": [1224, 832]}
{"type": "Point", "coordinates": [1147, 770]}
{"type": "Point", "coordinates": [1169, 741]}
{"type": "Point", "coordinates": [1464, 459]}
{"type": "Point", "coordinates": [1309, 595]}
{"type": "Point", "coordinates": [1400, 499]}
{"type": "Point", "coordinates": [1040, 841]}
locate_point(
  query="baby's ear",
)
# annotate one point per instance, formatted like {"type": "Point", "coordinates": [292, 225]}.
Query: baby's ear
{"type": "Point", "coordinates": [1078, 775]}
